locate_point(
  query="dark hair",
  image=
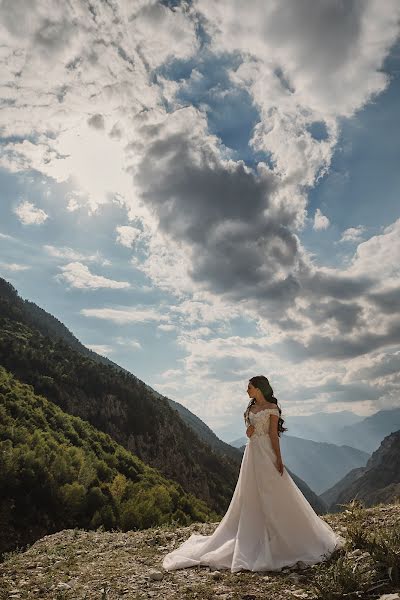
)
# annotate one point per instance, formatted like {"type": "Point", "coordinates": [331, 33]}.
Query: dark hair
{"type": "Point", "coordinates": [262, 383]}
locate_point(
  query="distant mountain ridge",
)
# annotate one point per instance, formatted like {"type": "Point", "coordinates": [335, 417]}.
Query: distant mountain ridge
{"type": "Point", "coordinates": [378, 481]}
{"type": "Point", "coordinates": [321, 426]}
{"type": "Point", "coordinates": [368, 434]}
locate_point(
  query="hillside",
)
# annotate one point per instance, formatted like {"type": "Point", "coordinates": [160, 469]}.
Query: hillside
{"type": "Point", "coordinates": [34, 316]}
{"type": "Point", "coordinates": [319, 464]}
{"type": "Point", "coordinates": [203, 431]}
{"type": "Point", "coordinates": [57, 471]}
{"type": "Point", "coordinates": [379, 481]}
{"type": "Point", "coordinates": [330, 495]}
{"type": "Point", "coordinates": [95, 565]}
{"type": "Point", "coordinates": [114, 402]}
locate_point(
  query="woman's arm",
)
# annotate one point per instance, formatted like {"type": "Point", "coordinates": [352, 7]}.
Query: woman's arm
{"type": "Point", "coordinates": [273, 434]}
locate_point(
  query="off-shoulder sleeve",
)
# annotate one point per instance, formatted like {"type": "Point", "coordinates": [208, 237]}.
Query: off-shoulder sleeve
{"type": "Point", "coordinates": [275, 411]}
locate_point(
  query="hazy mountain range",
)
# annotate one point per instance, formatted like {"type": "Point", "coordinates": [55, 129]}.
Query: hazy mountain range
{"type": "Point", "coordinates": [378, 481]}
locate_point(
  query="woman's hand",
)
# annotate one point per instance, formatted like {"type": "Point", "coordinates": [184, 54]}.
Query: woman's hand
{"type": "Point", "coordinates": [250, 430]}
{"type": "Point", "coordinates": [279, 465]}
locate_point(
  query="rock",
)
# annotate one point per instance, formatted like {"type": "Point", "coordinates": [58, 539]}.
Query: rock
{"type": "Point", "coordinates": [294, 577]}
{"type": "Point", "coordinates": [63, 586]}
{"type": "Point", "coordinates": [216, 575]}
{"type": "Point", "coordinates": [156, 575]}
{"type": "Point", "coordinates": [389, 597]}
{"type": "Point", "coordinates": [301, 565]}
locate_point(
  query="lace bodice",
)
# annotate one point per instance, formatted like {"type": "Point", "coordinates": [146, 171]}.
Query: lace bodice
{"type": "Point", "coordinates": [260, 420]}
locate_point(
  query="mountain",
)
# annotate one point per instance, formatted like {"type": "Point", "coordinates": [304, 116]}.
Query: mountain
{"type": "Point", "coordinates": [203, 431]}
{"type": "Point", "coordinates": [57, 472]}
{"type": "Point", "coordinates": [321, 426]}
{"type": "Point", "coordinates": [48, 325]}
{"type": "Point", "coordinates": [158, 430]}
{"type": "Point", "coordinates": [346, 428]}
{"type": "Point", "coordinates": [369, 433]}
{"type": "Point", "coordinates": [316, 502]}
{"type": "Point", "coordinates": [330, 495]}
{"type": "Point", "coordinates": [113, 401]}
{"type": "Point", "coordinates": [319, 464]}
{"type": "Point", "coordinates": [378, 481]}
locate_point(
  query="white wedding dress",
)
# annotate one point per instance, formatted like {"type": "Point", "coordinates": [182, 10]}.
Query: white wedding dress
{"type": "Point", "coordinates": [269, 524]}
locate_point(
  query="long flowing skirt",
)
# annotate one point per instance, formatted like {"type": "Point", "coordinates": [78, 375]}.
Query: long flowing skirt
{"type": "Point", "coordinates": [269, 523]}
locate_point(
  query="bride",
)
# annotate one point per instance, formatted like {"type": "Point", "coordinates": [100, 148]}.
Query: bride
{"type": "Point", "coordinates": [269, 524]}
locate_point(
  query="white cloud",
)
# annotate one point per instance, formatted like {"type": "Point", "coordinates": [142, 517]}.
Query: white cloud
{"type": "Point", "coordinates": [379, 256]}
{"type": "Point", "coordinates": [78, 276]}
{"type": "Point", "coordinates": [175, 37]}
{"type": "Point", "coordinates": [72, 205]}
{"type": "Point", "coordinates": [320, 221]}
{"type": "Point", "coordinates": [121, 341]}
{"type": "Point", "coordinates": [167, 327]}
{"type": "Point", "coordinates": [122, 316]}
{"type": "Point", "coordinates": [74, 255]}
{"type": "Point", "coordinates": [14, 267]}
{"type": "Point", "coordinates": [126, 235]}
{"type": "Point", "coordinates": [29, 214]}
{"type": "Point", "coordinates": [353, 234]}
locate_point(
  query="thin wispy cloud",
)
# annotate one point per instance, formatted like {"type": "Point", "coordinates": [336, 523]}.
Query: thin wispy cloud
{"type": "Point", "coordinates": [14, 267]}
{"type": "Point", "coordinates": [78, 275]}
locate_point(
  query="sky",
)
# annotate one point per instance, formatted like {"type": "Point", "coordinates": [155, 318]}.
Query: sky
{"type": "Point", "coordinates": [207, 191]}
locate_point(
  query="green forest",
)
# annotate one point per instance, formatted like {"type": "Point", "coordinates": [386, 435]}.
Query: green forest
{"type": "Point", "coordinates": [57, 471]}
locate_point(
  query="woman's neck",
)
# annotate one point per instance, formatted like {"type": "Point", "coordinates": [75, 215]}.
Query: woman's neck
{"type": "Point", "coordinates": [261, 402]}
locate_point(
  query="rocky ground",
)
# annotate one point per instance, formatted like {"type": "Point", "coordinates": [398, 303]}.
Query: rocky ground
{"type": "Point", "coordinates": [101, 565]}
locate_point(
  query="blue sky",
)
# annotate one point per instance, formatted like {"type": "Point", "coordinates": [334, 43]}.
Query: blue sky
{"type": "Point", "coordinates": [206, 193]}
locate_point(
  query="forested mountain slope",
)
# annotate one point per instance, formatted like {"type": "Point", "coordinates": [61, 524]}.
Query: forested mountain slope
{"type": "Point", "coordinates": [57, 471]}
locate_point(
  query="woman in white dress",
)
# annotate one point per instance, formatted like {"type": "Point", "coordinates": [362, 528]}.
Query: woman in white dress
{"type": "Point", "coordinates": [269, 524]}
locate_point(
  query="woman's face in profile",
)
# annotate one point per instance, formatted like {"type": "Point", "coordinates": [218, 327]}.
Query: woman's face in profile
{"type": "Point", "coordinates": [251, 390]}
